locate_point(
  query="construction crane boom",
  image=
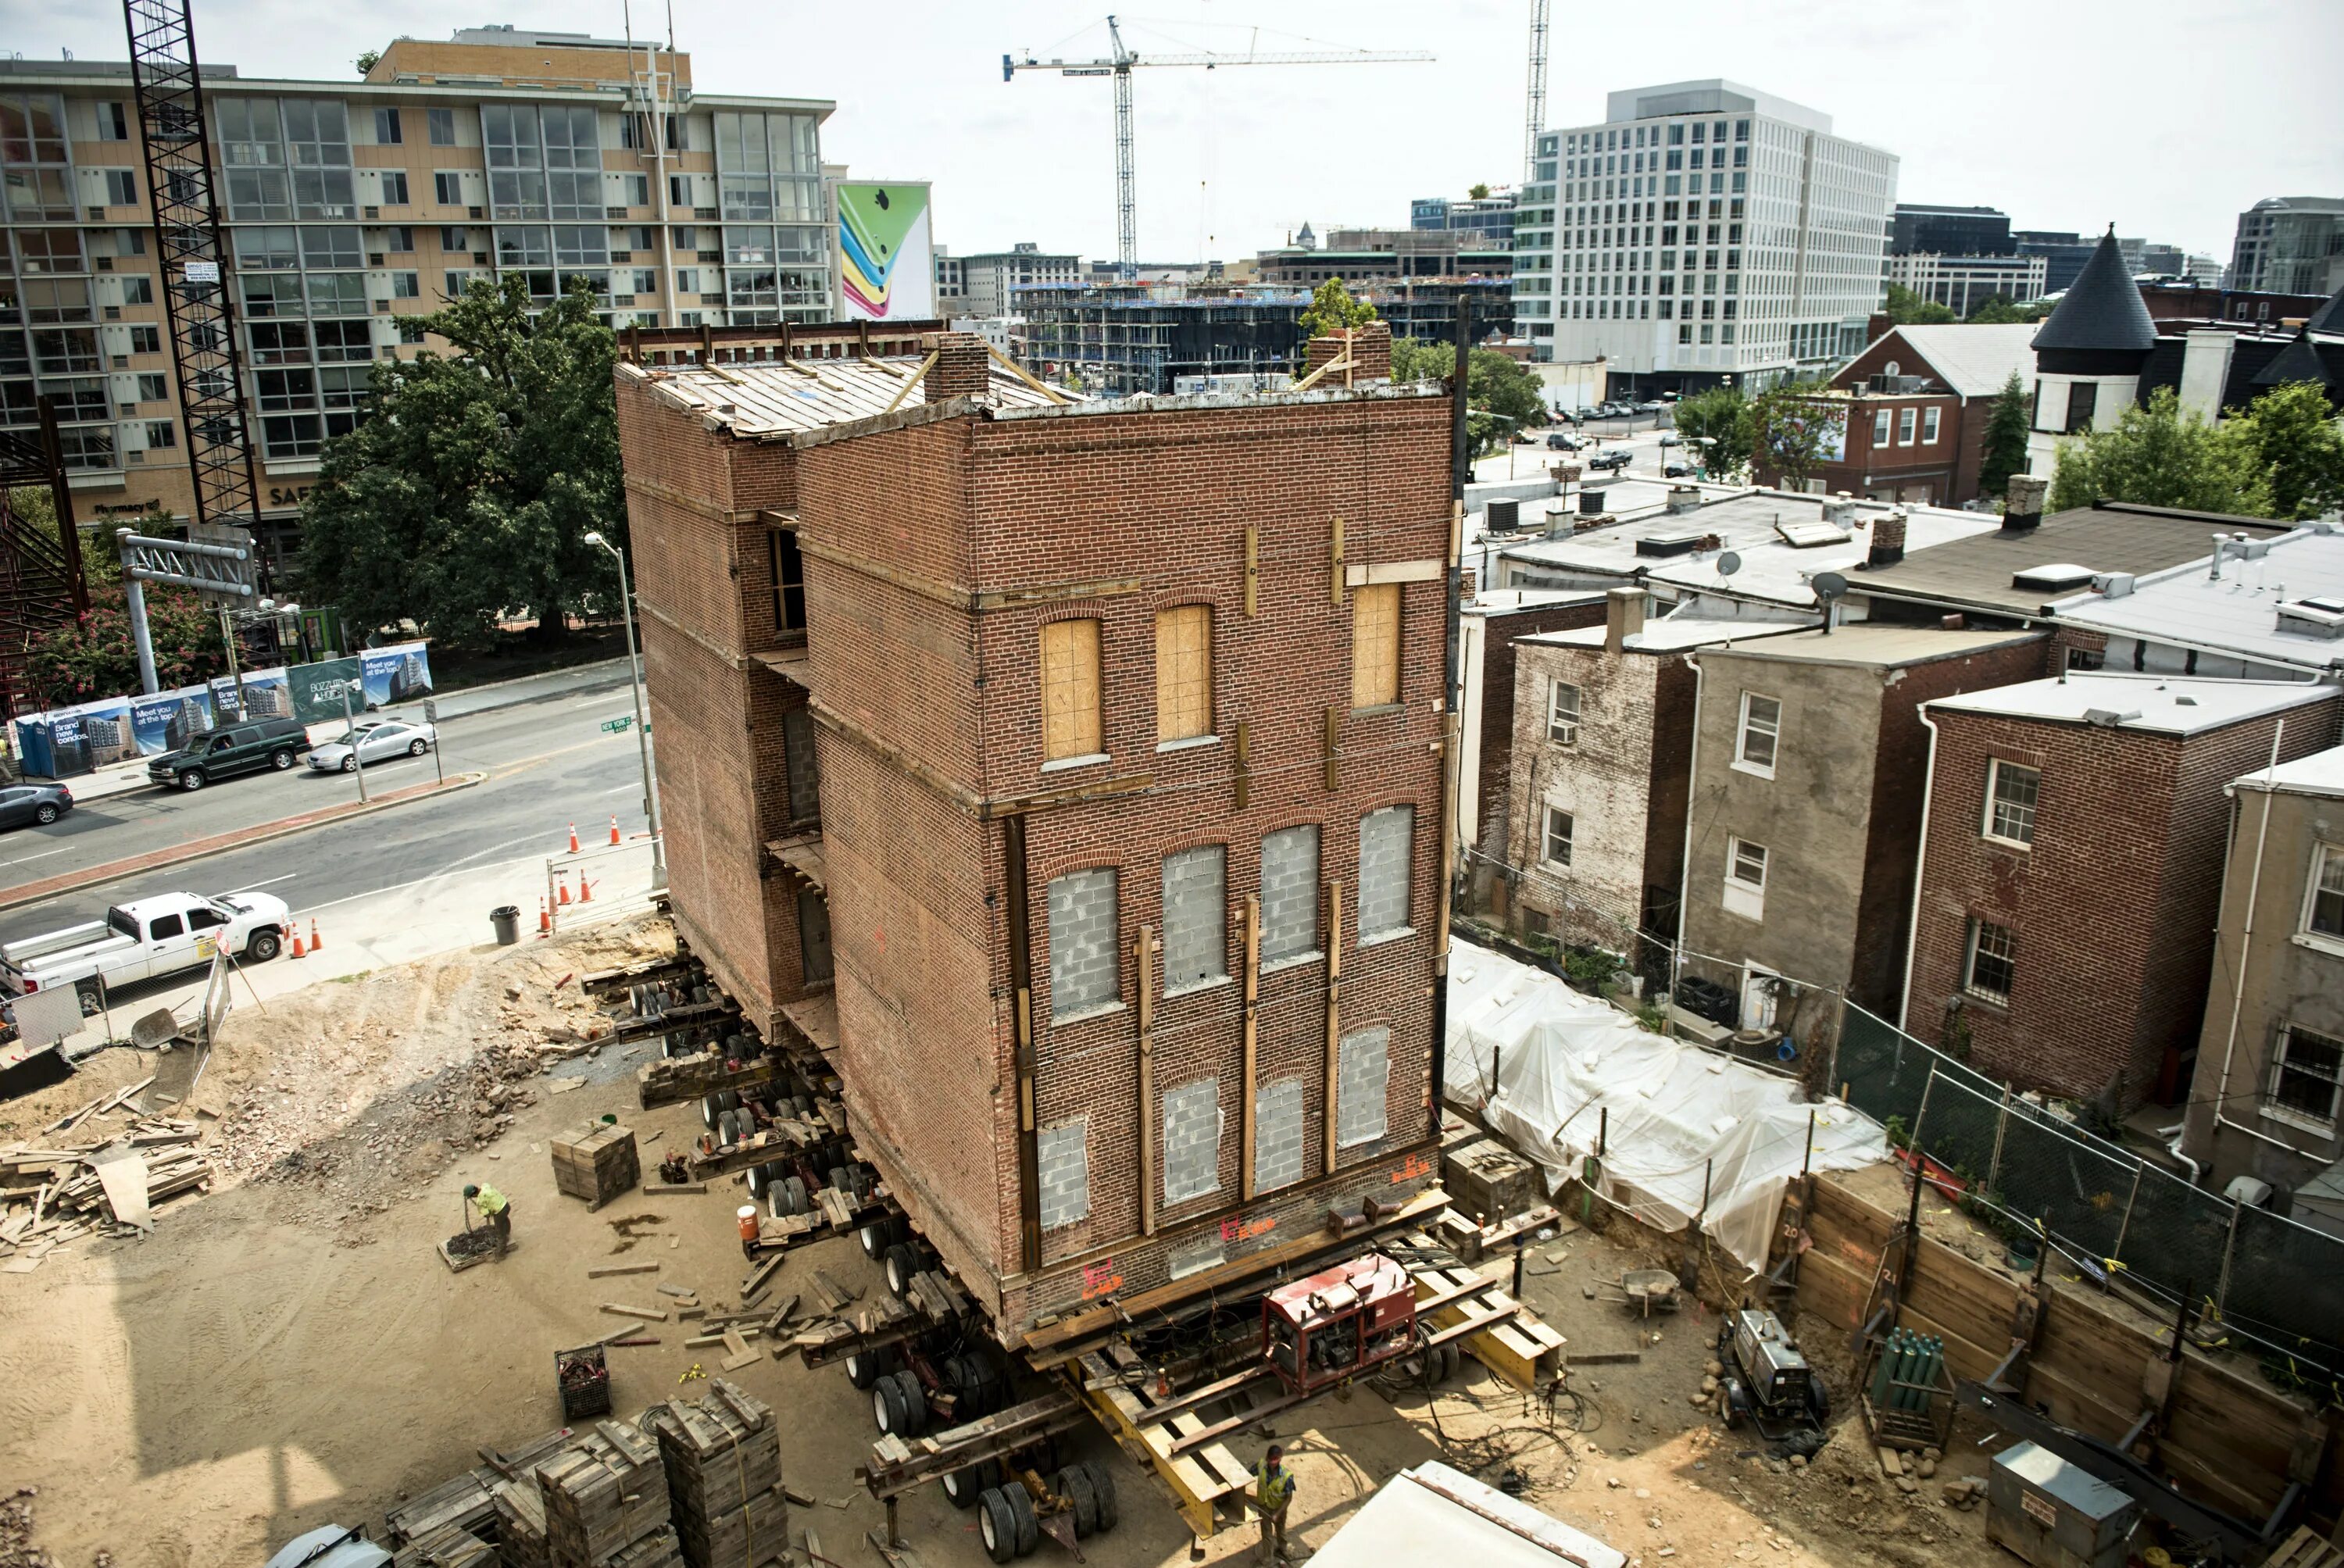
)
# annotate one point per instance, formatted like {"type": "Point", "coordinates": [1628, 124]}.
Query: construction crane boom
{"type": "Point", "coordinates": [1122, 61]}
{"type": "Point", "coordinates": [1537, 90]}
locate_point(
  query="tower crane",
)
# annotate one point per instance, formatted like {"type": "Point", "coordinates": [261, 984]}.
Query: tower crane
{"type": "Point", "coordinates": [1119, 63]}
{"type": "Point", "coordinates": [1538, 89]}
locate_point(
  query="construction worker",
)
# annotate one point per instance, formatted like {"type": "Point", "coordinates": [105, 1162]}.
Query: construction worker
{"type": "Point", "coordinates": [1273, 1493]}
{"type": "Point", "coordinates": [496, 1213]}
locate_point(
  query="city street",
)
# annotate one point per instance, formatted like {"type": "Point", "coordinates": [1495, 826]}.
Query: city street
{"type": "Point", "coordinates": [540, 743]}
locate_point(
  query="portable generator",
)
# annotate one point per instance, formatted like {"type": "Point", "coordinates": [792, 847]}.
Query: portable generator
{"type": "Point", "coordinates": [1768, 1381]}
{"type": "Point", "coordinates": [1340, 1323]}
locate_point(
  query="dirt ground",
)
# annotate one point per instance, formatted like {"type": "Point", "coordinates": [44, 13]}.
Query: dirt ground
{"type": "Point", "coordinates": [288, 1349]}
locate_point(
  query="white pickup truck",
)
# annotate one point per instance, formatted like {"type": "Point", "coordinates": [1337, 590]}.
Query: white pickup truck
{"type": "Point", "coordinates": [154, 937]}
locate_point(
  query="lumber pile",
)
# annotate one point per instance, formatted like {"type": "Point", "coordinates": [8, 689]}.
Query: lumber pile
{"type": "Point", "coordinates": [108, 1185]}
{"type": "Point", "coordinates": [657, 1550]}
{"type": "Point", "coordinates": [520, 1526]}
{"type": "Point", "coordinates": [724, 1462]}
{"type": "Point", "coordinates": [447, 1546]}
{"type": "Point", "coordinates": [606, 1493]}
{"type": "Point", "coordinates": [596, 1162]}
{"type": "Point", "coordinates": [468, 1500]}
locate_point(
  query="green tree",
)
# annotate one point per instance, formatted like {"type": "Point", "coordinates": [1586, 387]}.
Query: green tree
{"type": "Point", "coordinates": [1907, 309]}
{"type": "Point", "coordinates": [1501, 396]}
{"type": "Point", "coordinates": [2157, 454]}
{"type": "Point", "coordinates": [2293, 440]}
{"type": "Point", "coordinates": [367, 61]}
{"type": "Point", "coordinates": [1998, 311]}
{"type": "Point", "coordinates": [1793, 428]}
{"type": "Point", "coordinates": [2003, 449]}
{"type": "Point", "coordinates": [464, 495]}
{"type": "Point", "coordinates": [1332, 308]}
{"type": "Point", "coordinates": [1477, 192]}
{"type": "Point", "coordinates": [1717, 427]}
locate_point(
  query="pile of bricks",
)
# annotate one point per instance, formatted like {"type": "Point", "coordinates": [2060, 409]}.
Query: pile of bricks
{"type": "Point", "coordinates": [724, 1461]}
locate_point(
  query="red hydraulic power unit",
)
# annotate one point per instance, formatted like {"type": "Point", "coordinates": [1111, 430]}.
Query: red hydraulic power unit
{"type": "Point", "coordinates": [1340, 1323]}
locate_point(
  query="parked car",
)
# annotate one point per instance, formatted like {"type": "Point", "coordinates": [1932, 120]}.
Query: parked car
{"type": "Point", "coordinates": [1561, 442]}
{"type": "Point", "coordinates": [138, 941]}
{"type": "Point", "coordinates": [239, 748]}
{"type": "Point", "coordinates": [1584, 412]}
{"type": "Point", "coordinates": [29, 803]}
{"type": "Point", "coordinates": [1677, 470]}
{"type": "Point", "coordinates": [375, 740]}
{"type": "Point", "coordinates": [1668, 438]}
{"type": "Point", "coordinates": [1654, 407]}
{"type": "Point", "coordinates": [1610, 461]}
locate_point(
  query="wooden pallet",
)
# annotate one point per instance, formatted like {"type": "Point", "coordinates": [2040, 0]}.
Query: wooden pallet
{"type": "Point", "coordinates": [2305, 1549]}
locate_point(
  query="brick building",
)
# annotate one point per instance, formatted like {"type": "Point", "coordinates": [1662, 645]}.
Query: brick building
{"type": "Point", "coordinates": [1595, 813]}
{"type": "Point", "coordinates": [2072, 871]}
{"type": "Point", "coordinates": [1128, 727]}
{"type": "Point", "coordinates": [1805, 807]}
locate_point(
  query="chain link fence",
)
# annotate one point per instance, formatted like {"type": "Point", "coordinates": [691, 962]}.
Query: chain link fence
{"type": "Point", "coordinates": [2266, 1280]}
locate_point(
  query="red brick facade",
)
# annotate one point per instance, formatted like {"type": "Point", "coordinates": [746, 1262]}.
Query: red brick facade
{"type": "Point", "coordinates": [937, 542]}
{"type": "Point", "coordinates": [2113, 905]}
{"type": "Point", "coordinates": [1914, 470]}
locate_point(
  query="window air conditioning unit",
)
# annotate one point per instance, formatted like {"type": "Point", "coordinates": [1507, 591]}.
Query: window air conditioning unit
{"type": "Point", "coordinates": [98, 214]}
{"type": "Point", "coordinates": [711, 256]}
{"type": "Point", "coordinates": [476, 212]}
{"type": "Point", "coordinates": [623, 299]}
{"type": "Point", "coordinates": [104, 263]}
{"type": "Point", "coordinates": [114, 313]}
{"type": "Point", "coordinates": [374, 258]}
{"type": "Point", "coordinates": [136, 455]}
{"type": "Point", "coordinates": [480, 258]}
{"type": "Point", "coordinates": [622, 256]}
{"type": "Point", "coordinates": [704, 215]}
{"type": "Point", "coordinates": [382, 307]}
{"type": "Point", "coordinates": [122, 361]}
{"type": "Point", "coordinates": [615, 212]}
{"type": "Point", "coordinates": [373, 214]}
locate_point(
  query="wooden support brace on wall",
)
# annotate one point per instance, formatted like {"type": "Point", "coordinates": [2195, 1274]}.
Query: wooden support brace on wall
{"type": "Point", "coordinates": [1334, 1020]}
{"type": "Point", "coordinates": [1335, 567]}
{"type": "Point", "coordinates": [1020, 978]}
{"type": "Point", "coordinates": [1143, 950]}
{"type": "Point", "coordinates": [1252, 1041]}
{"type": "Point", "coordinates": [1252, 570]}
{"type": "Point", "coordinates": [1334, 767]}
{"type": "Point", "coordinates": [1241, 775]}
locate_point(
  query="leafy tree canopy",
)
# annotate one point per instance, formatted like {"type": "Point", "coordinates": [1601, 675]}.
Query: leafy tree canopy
{"type": "Point", "coordinates": [1907, 309]}
{"type": "Point", "coordinates": [2004, 451]}
{"type": "Point", "coordinates": [367, 61]}
{"type": "Point", "coordinates": [1718, 426]}
{"type": "Point", "coordinates": [1999, 312]}
{"type": "Point", "coordinates": [1477, 192]}
{"type": "Point", "coordinates": [1332, 308]}
{"type": "Point", "coordinates": [2292, 438]}
{"type": "Point", "coordinates": [1494, 386]}
{"type": "Point", "coordinates": [1794, 428]}
{"type": "Point", "coordinates": [96, 656]}
{"type": "Point", "coordinates": [465, 494]}
{"type": "Point", "coordinates": [2155, 454]}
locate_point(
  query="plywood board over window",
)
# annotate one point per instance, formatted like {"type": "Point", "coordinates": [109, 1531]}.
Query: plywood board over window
{"type": "Point", "coordinates": [1375, 645]}
{"type": "Point", "coordinates": [1070, 689]}
{"type": "Point", "coordinates": [1184, 672]}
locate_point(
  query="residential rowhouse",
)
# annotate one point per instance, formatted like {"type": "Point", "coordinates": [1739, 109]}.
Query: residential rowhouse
{"type": "Point", "coordinates": [2072, 872]}
{"type": "Point", "coordinates": [1128, 725]}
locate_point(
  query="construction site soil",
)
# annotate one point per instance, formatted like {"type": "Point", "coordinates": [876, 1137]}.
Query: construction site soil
{"type": "Point", "coordinates": [288, 1349]}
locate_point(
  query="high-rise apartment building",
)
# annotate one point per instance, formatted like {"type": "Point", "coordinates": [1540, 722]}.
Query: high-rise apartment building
{"type": "Point", "coordinates": [989, 282]}
{"type": "Point", "coordinates": [352, 207]}
{"type": "Point", "coordinates": [1703, 232]}
{"type": "Point", "coordinates": [1917, 228]}
{"type": "Point", "coordinates": [1482, 219]}
{"type": "Point", "coordinates": [2289, 244]}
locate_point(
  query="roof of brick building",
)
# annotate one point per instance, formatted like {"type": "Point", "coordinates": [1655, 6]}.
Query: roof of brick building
{"type": "Point", "coordinates": [771, 399]}
{"type": "Point", "coordinates": [2321, 773]}
{"type": "Point", "coordinates": [2169, 705]}
{"type": "Point", "coordinates": [1980, 571]}
{"type": "Point", "coordinates": [2279, 606]}
{"type": "Point", "coordinates": [1671, 634]}
{"type": "Point", "coordinates": [1880, 645]}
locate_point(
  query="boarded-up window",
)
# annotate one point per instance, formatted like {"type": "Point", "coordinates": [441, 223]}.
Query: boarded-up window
{"type": "Point", "coordinates": [1384, 843]}
{"type": "Point", "coordinates": [1375, 645]}
{"type": "Point", "coordinates": [1195, 904]}
{"type": "Point", "coordinates": [1289, 893]}
{"type": "Point", "coordinates": [798, 758]}
{"type": "Point", "coordinates": [1278, 1136]}
{"type": "Point", "coordinates": [1184, 672]}
{"type": "Point", "coordinates": [1066, 1171]}
{"type": "Point", "coordinates": [1070, 689]}
{"type": "Point", "coordinates": [1363, 1063]}
{"type": "Point", "coordinates": [1082, 942]}
{"type": "Point", "coordinates": [788, 573]}
{"type": "Point", "coordinates": [813, 935]}
{"type": "Point", "coordinates": [1192, 1140]}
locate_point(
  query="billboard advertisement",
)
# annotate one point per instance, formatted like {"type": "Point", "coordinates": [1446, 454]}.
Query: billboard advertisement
{"type": "Point", "coordinates": [886, 271]}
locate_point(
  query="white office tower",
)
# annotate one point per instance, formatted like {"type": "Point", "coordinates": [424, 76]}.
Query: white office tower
{"type": "Point", "coordinates": [1704, 232]}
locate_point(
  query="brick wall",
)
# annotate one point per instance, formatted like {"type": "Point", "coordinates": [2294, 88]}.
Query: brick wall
{"type": "Point", "coordinates": [2113, 905]}
{"type": "Point", "coordinates": [1604, 779]}
{"type": "Point", "coordinates": [1495, 777]}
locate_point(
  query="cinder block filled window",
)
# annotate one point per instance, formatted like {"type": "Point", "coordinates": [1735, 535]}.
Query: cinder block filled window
{"type": "Point", "coordinates": [798, 758]}
{"type": "Point", "coordinates": [1374, 645]}
{"type": "Point", "coordinates": [1277, 1135]}
{"type": "Point", "coordinates": [2011, 793]}
{"type": "Point", "coordinates": [1384, 838]}
{"type": "Point", "coordinates": [1363, 1063]}
{"type": "Point", "coordinates": [1070, 689]}
{"type": "Point", "coordinates": [1289, 893]}
{"type": "Point", "coordinates": [1192, 1140]}
{"type": "Point", "coordinates": [1184, 672]}
{"type": "Point", "coordinates": [1082, 942]}
{"type": "Point", "coordinates": [1195, 905]}
{"type": "Point", "coordinates": [1066, 1171]}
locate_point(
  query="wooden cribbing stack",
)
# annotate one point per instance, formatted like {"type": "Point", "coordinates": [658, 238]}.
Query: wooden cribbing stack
{"type": "Point", "coordinates": [606, 1494]}
{"type": "Point", "coordinates": [723, 1460]}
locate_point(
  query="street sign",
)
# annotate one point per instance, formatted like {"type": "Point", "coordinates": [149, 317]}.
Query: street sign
{"type": "Point", "coordinates": [618, 726]}
{"type": "Point", "coordinates": [430, 712]}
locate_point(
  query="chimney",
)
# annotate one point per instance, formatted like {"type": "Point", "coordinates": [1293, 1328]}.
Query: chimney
{"type": "Point", "coordinates": [1839, 509]}
{"type": "Point", "coordinates": [2024, 509]}
{"type": "Point", "coordinates": [1371, 348]}
{"type": "Point", "coordinates": [1887, 541]}
{"type": "Point", "coordinates": [963, 368]}
{"type": "Point", "coordinates": [1682, 498]}
{"type": "Point", "coordinates": [1623, 617]}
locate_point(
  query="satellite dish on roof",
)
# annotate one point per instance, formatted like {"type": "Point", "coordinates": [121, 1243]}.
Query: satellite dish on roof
{"type": "Point", "coordinates": [1829, 585]}
{"type": "Point", "coordinates": [1728, 564]}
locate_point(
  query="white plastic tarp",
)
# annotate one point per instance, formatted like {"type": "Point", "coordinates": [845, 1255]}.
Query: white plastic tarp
{"type": "Point", "coordinates": [1540, 1064]}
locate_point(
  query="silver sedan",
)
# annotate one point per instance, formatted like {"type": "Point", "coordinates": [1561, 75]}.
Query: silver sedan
{"type": "Point", "coordinates": [375, 740]}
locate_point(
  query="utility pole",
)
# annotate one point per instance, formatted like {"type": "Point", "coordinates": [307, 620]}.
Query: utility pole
{"type": "Point", "coordinates": [350, 734]}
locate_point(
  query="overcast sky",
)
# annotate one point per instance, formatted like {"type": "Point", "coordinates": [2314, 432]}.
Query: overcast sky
{"type": "Point", "coordinates": [2164, 117]}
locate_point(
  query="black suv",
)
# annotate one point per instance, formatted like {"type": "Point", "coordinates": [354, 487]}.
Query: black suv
{"type": "Point", "coordinates": [222, 753]}
{"type": "Point", "coordinates": [1612, 459]}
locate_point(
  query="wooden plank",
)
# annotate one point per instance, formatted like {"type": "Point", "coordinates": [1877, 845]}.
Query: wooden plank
{"type": "Point", "coordinates": [613, 1270]}
{"type": "Point", "coordinates": [125, 1182]}
{"type": "Point", "coordinates": [620, 1310]}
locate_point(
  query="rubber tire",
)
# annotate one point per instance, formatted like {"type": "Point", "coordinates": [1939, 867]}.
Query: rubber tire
{"type": "Point", "coordinates": [886, 1406]}
{"type": "Point", "coordinates": [1818, 1400]}
{"type": "Point", "coordinates": [280, 760]}
{"type": "Point", "coordinates": [263, 946]}
{"type": "Point", "coordinates": [350, 763]}
{"type": "Point", "coordinates": [963, 1487]}
{"type": "Point", "coordinates": [44, 814]}
{"type": "Point", "coordinates": [1103, 1493]}
{"type": "Point", "coordinates": [838, 1178]}
{"type": "Point", "coordinates": [865, 1367]}
{"type": "Point", "coordinates": [86, 993]}
{"type": "Point", "coordinates": [728, 1099]}
{"type": "Point", "coordinates": [415, 748]}
{"type": "Point", "coordinates": [193, 780]}
{"type": "Point", "coordinates": [1076, 1487]}
{"type": "Point", "coordinates": [914, 1400]}
{"type": "Point", "coordinates": [901, 1263]}
{"type": "Point", "coordinates": [793, 1192]}
{"type": "Point", "coordinates": [708, 1109]}
{"type": "Point", "coordinates": [757, 1180]}
{"type": "Point", "coordinates": [874, 1237]}
{"type": "Point", "coordinates": [996, 1524]}
{"type": "Point", "coordinates": [1021, 1505]}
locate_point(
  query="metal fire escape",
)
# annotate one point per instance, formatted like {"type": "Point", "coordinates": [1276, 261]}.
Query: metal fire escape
{"type": "Point", "coordinates": [183, 192]}
{"type": "Point", "coordinates": [41, 582]}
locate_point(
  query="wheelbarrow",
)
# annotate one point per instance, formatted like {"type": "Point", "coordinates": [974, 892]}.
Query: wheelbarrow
{"type": "Point", "coordinates": [1648, 1291]}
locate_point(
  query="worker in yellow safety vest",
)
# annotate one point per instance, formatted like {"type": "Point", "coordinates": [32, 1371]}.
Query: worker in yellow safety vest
{"type": "Point", "coordinates": [1273, 1492]}
{"type": "Point", "coordinates": [496, 1212]}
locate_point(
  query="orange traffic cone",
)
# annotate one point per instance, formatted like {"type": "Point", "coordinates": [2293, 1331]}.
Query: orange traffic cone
{"type": "Point", "coordinates": [315, 941]}
{"type": "Point", "coordinates": [544, 920]}
{"type": "Point", "coordinates": [585, 889]}
{"type": "Point", "coordinates": [299, 951]}
{"type": "Point", "coordinates": [614, 829]}
{"type": "Point", "coordinates": [562, 887]}
{"type": "Point", "coordinates": [574, 838]}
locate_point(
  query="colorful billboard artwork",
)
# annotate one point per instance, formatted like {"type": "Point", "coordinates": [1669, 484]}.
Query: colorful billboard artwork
{"type": "Point", "coordinates": [316, 689]}
{"type": "Point", "coordinates": [266, 695]}
{"type": "Point", "coordinates": [398, 673]}
{"type": "Point", "coordinates": [885, 271]}
{"type": "Point", "coordinates": [107, 729]}
{"type": "Point", "coordinates": [168, 721]}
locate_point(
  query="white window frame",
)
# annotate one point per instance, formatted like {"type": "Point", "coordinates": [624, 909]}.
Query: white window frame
{"type": "Point", "coordinates": [2273, 1111]}
{"type": "Point", "coordinates": [1907, 418]}
{"type": "Point", "coordinates": [1742, 731]}
{"type": "Point", "coordinates": [1881, 422]}
{"type": "Point", "coordinates": [1993, 799]}
{"type": "Point", "coordinates": [1930, 421]}
{"type": "Point", "coordinates": [1970, 987]}
{"type": "Point", "coordinates": [1742, 896]}
{"type": "Point", "coordinates": [1545, 836]}
{"type": "Point", "coordinates": [1561, 728]}
{"type": "Point", "coordinates": [2325, 857]}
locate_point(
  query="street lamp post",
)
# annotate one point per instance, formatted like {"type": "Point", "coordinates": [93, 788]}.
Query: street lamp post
{"type": "Point", "coordinates": [643, 731]}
